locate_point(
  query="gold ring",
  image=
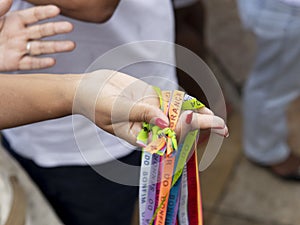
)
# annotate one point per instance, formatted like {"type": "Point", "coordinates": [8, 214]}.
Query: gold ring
{"type": "Point", "coordinates": [28, 48]}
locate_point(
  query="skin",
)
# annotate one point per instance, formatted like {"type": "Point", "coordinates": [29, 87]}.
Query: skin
{"type": "Point", "coordinates": [106, 92]}
{"type": "Point", "coordinates": [16, 30]}
{"type": "Point", "coordinates": [98, 95]}
{"type": "Point", "coordinates": [5, 6]}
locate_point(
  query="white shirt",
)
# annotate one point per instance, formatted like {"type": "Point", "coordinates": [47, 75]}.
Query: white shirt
{"type": "Point", "coordinates": [52, 143]}
{"type": "Point", "coordinates": [292, 2]}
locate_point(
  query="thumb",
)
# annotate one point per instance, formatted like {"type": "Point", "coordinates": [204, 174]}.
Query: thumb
{"type": "Point", "coordinates": [143, 112]}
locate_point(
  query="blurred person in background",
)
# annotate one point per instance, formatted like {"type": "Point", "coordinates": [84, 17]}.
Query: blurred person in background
{"type": "Point", "coordinates": [273, 83]}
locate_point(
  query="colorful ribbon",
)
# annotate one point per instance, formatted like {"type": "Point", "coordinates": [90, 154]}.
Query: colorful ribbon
{"type": "Point", "coordinates": [169, 180]}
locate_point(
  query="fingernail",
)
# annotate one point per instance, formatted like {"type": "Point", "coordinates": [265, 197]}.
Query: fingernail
{"type": "Point", "coordinates": [189, 118]}
{"type": "Point", "coordinates": [162, 124]}
{"type": "Point", "coordinates": [226, 135]}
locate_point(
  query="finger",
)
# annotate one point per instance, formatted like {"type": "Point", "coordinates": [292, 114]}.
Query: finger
{"type": "Point", "coordinates": [4, 6]}
{"type": "Point", "coordinates": [48, 29]}
{"type": "Point", "coordinates": [143, 112]}
{"type": "Point", "coordinates": [204, 110]}
{"type": "Point", "coordinates": [184, 125]}
{"type": "Point", "coordinates": [49, 47]}
{"type": "Point", "coordinates": [134, 132]}
{"type": "Point", "coordinates": [31, 63]}
{"type": "Point", "coordinates": [223, 132]}
{"type": "Point", "coordinates": [202, 121]}
{"type": "Point", "coordinates": [126, 131]}
{"type": "Point", "coordinates": [35, 14]}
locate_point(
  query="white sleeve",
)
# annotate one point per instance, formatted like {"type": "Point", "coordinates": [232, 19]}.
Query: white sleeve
{"type": "Point", "coordinates": [183, 3]}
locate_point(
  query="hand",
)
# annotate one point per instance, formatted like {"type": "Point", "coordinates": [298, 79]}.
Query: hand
{"type": "Point", "coordinates": [202, 118]}
{"type": "Point", "coordinates": [119, 103]}
{"type": "Point", "coordinates": [16, 31]}
{"type": "Point", "coordinates": [5, 6]}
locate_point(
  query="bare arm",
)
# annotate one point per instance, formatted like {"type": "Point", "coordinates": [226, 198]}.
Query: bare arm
{"type": "Point", "coordinates": [97, 11]}
{"type": "Point", "coordinates": [116, 102]}
{"type": "Point", "coordinates": [31, 98]}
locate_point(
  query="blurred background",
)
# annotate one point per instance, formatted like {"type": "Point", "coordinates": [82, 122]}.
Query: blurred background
{"type": "Point", "coordinates": [234, 191]}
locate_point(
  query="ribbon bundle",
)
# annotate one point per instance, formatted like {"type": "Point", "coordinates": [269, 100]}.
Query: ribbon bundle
{"type": "Point", "coordinates": [169, 179]}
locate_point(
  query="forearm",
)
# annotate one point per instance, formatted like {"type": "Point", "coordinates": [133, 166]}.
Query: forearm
{"type": "Point", "coordinates": [97, 11]}
{"type": "Point", "coordinates": [32, 98]}
{"type": "Point", "coordinates": [112, 100]}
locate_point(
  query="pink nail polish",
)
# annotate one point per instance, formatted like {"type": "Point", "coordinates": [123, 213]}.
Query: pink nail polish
{"type": "Point", "coordinates": [162, 124]}
{"type": "Point", "coordinates": [189, 118]}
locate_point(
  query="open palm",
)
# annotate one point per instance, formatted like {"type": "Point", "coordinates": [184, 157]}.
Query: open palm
{"type": "Point", "coordinates": [18, 28]}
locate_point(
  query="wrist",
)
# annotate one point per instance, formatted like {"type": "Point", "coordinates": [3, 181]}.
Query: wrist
{"type": "Point", "coordinates": [86, 90]}
{"type": "Point", "coordinates": [68, 89]}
